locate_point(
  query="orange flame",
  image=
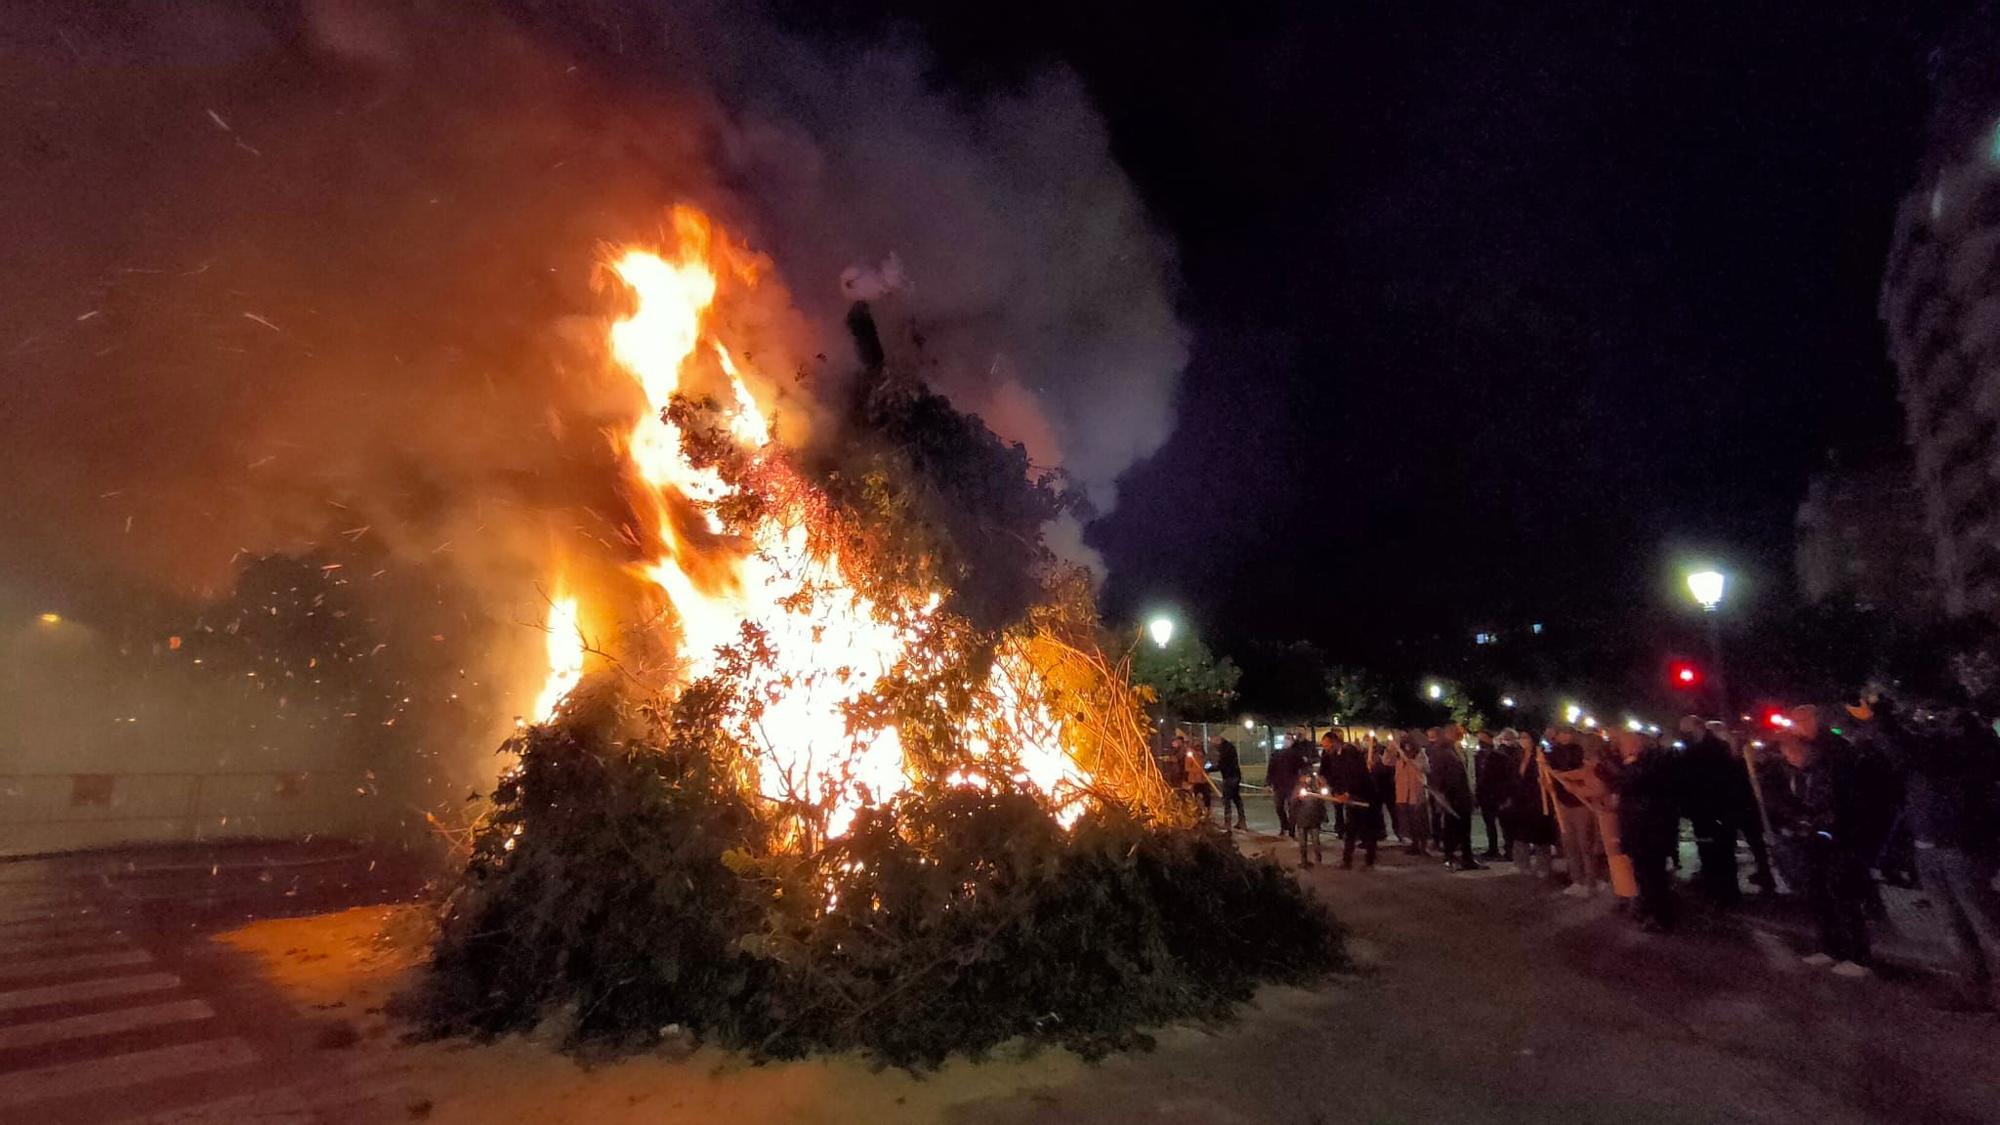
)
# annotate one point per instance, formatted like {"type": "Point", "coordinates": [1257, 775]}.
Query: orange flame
{"type": "Point", "coordinates": [565, 657]}
{"type": "Point", "coordinates": [830, 646]}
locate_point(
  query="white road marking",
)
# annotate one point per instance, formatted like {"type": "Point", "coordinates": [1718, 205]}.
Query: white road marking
{"type": "Point", "coordinates": [130, 1069]}
{"type": "Point", "coordinates": [103, 1023]}
{"type": "Point", "coordinates": [89, 937]}
{"type": "Point", "coordinates": [75, 963]}
{"type": "Point", "coordinates": [45, 917]}
{"type": "Point", "coordinates": [76, 991]}
{"type": "Point", "coordinates": [282, 1106]}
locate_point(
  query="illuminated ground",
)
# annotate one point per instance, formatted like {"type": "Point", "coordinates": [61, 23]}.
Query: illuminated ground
{"type": "Point", "coordinates": [1481, 1000]}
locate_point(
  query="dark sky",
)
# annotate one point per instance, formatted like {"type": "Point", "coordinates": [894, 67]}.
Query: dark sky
{"type": "Point", "coordinates": [1498, 309]}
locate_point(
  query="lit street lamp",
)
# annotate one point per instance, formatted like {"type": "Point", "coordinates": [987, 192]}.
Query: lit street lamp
{"type": "Point", "coordinates": [1161, 629]}
{"type": "Point", "coordinates": [1434, 689]}
{"type": "Point", "coordinates": [1507, 701]}
{"type": "Point", "coordinates": [1707, 587]}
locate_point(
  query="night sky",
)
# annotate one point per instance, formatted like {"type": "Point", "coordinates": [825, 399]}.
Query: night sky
{"type": "Point", "coordinates": [1499, 310]}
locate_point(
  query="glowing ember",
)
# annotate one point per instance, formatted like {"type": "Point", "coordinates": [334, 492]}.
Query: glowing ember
{"type": "Point", "coordinates": [830, 644]}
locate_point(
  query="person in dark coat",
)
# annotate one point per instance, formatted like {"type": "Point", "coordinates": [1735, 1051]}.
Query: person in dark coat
{"type": "Point", "coordinates": [1712, 779]}
{"type": "Point", "coordinates": [1330, 749]}
{"type": "Point", "coordinates": [1283, 774]}
{"type": "Point", "coordinates": [1532, 810]}
{"type": "Point", "coordinates": [1649, 824]}
{"type": "Point", "coordinates": [1952, 805]}
{"type": "Point", "coordinates": [1364, 785]}
{"type": "Point", "coordinates": [1230, 769]}
{"type": "Point", "coordinates": [1491, 773]}
{"type": "Point", "coordinates": [1451, 788]}
{"type": "Point", "coordinates": [1814, 811]}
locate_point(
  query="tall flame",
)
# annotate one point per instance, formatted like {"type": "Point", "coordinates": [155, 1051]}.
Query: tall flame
{"type": "Point", "coordinates": [565, 657]}
{"type": "Point", "coordinates": [829, 646]}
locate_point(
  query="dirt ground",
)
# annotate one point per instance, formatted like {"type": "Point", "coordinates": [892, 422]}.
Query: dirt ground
{"type": "Point", "coordinates": [1480, 998]}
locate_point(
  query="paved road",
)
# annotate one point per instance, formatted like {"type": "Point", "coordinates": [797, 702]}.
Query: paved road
{"type": "Point", "coordinates": [1484, 997]}
{"type": "Point", "coordinates": [114, 1007]}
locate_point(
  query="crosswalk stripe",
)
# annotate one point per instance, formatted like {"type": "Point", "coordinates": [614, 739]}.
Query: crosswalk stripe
{"type": "Point", "coordinates": [75, 963]}
{"type": "Point", "coordinates": [281, 1106]}
{"type": "Point", "coordinates": [63, 941]}
{"type": "Point", "coordinates": [76, 991]}
{"type": "Point", "coordinates": [41, 901]}
{"type": "Point", "coordinates": [44, 917]}
{"type": "Point", "coordinates": [130, 1069]}
{"type": "Point", "coordinates": [103, 1023]}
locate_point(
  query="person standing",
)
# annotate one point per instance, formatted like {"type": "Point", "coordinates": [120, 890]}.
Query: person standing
{"type": "Point", "coordinates": [1330, 749]}
{"type": "Point", "coordinates": [1282, 774]}
{"type": "Point", "coordinates": [1413, 798]}
{"type": "Point", "coordinates": [1950, 802]}
{"type": "Point", "coordinates": [1813, 812]}
{"type": "Point", "coordinates": [1491, 772]}
{"type": "Point", "coordinates": [1649, 825]}
{"type": "Point", "coordinates": [1451, 790]}
{"type": "Point", "coordinates": [1229, 767]}
{"type": "Point", "coordinates": [1750, 813]}
{"type": "Point", "coordinates": [1363, 783]}
{"type": "Point", "coordinates": [1194, 771]}
{"type": "Point", "coordinates": [1583, 845]}
{"type": "Point", "coordinates": [1533, 810]}
{"type": "Point", "coordinates": [1711, 782]}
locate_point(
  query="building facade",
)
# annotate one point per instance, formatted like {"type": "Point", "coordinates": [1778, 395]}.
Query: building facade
{"type": "Point", "coordinates": [1941, 305]}
{"type": "Point", "coordinates": [1862, 540]}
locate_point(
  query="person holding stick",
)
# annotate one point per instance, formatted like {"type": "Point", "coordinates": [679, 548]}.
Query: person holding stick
{"type": "Point", "coordinates": [1583, 847]}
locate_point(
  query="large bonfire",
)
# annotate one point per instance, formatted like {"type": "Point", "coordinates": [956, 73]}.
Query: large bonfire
{"type": "Point", "coordinates": [841, 761]}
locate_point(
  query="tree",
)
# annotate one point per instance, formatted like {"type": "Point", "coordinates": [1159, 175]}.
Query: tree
{"type": "Point", "coordinates": [1357, 695]}
{"type": "Point", "coordinates": [1188, 680]}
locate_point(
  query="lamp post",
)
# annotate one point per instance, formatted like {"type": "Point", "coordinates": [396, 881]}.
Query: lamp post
{"type": "Point", "coordinates": [1161, 629]}
{"type": "Point", "coordinates": [1706, 586]}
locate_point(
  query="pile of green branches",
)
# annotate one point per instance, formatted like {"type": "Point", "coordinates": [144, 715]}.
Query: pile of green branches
{"type": "Point", "coordinates": [624, 885]}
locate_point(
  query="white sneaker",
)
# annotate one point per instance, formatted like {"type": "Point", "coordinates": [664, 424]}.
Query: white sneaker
{"type": "Point", "coordinates": [1852, 971]}
{"type": "Point", "coordinates": [1817, 960]}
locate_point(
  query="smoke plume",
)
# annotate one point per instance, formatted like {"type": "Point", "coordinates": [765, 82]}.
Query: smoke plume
{"type": "Point", "coordinates": [305, 279]}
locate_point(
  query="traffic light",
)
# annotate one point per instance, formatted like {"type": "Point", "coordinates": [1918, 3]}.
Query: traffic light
{"type": "Point", "coordinates": [1684, 675]}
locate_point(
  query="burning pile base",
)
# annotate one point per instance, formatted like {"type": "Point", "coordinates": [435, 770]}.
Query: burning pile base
{"type": "Point", "coordinates": [886, 792]}
{"type": "Point", "coordinates": [627, 888]}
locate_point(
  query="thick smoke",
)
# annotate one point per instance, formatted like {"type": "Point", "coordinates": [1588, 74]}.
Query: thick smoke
{"type": "Point", "coordinates": [321, 280]}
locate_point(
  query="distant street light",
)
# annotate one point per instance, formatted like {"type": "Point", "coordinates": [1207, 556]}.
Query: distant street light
{"type": "Point", "coordinates": [1434, 689]}
{"type": "Point", "coordinates": [1572, 712]}
{"type": "Point", "coordinates": [1507, 701]}
{"type": "Point", "coordinates": [1249, 724]}
{"type": "Point", "coordinates": [1161, 629]}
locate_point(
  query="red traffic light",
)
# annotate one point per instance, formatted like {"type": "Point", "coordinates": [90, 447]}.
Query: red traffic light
{"type": "Point", "coordinates": [1684, 674]}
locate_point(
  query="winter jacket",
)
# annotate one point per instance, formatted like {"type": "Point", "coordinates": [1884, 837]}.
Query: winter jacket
{"type": "Point", "coordinates": [1227, 765]}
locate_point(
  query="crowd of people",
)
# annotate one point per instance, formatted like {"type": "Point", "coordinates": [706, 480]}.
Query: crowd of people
{"type": "Point", "coordinates": [1897, 795]}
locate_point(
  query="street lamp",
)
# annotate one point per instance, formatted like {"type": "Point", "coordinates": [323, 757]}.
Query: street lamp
{"type": "Point", "coordinates": [1161, 629]}
{"type": "Point", "coordinates": [1434, 689]}
{"type": "Point", "coordinates": [1706, 587]}
{"type": "Point", "coordinates": [1507, 701]}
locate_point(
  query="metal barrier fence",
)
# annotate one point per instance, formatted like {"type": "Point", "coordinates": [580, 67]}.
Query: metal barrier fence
{"type": "Point", "coordinates": [54, 812]}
